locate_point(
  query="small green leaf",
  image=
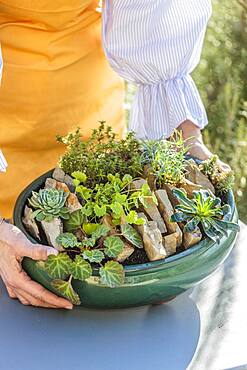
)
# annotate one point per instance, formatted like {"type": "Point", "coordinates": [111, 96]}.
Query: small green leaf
{"type": "Point", "coordinates": [117, 209]}
{"type": "Point", "coordinates": [80, 269]}
{"type": "Point", "coordinates": [93, 255]}
{"type": "Point", "coordinates": [89, 228]}
{"type": "Point", "coordinates": [65, 289]}
{"type": "Point", "coordinates": [113, 246]}
{"type": "Point", "coordinates": [127, 179]}
{"type": "Point", "coordinates": [99, 211]}
{"type": "Point", "coordinates": [80, 176]}
{"type": "Point", "coordinates": [67, 240]}
{"type": "Point", "coordinates": [76, 182]}
{"type": "Point", "coordinates": [120, 198]}
{"type": "Point", "coordinates": [75, 220]}
{"type": "Point", "coordinates": [131, 235]}
{"type": "Point", "coordinates": [112, 274]}
{"type": "Point", "coordinates": [102, 230]}
{"type": "Point", "coordinates": [131, 217]}
{"type": "Point", "coordinates": [87, 210]}
{"type": "Point", "coordinates": [58, 266]}
{"type": "Point", "coordinates": [84, 192]}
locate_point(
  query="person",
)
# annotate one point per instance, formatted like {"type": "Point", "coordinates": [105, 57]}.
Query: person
{"type": "Point", "coordinates": [56, 78]}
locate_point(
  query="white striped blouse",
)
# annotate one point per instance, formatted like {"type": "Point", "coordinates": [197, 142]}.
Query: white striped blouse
{"type": "Point", "coordinates": [3, 163]}
{"type": "Point", "coordinates": [157, 44]}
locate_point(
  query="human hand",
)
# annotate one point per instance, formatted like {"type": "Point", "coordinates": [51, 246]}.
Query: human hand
{"type": "Point", "coordinates": [13, 247]}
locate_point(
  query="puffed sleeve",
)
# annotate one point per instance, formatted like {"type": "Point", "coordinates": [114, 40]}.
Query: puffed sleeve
{"type": "Point", "coordinates": [3, 163]}
{"type": "Point", "coordinates": [157, 44]}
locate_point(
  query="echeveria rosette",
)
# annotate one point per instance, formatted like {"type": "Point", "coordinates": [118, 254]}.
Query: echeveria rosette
{"type": "Point", "coordinates": [49, 204]}
{"type": "Point", "coordinates": [204, 210]}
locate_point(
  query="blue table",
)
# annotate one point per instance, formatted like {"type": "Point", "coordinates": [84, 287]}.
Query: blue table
{"type": "Point", "coordinates": [201, 329]}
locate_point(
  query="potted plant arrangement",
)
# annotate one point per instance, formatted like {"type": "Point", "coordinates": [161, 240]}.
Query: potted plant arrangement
{"type": "Point", "coordinates": [135, 222]}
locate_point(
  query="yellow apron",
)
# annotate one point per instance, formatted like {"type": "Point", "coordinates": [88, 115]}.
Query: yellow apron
{"type": "Point", "coordinates": [55, 78]}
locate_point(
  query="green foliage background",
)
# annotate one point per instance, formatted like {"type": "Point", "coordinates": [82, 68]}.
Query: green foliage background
{"type": "Point", "coordinates": [221, 80]}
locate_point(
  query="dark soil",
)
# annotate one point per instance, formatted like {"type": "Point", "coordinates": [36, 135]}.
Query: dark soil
{"type": "Point", "coordinates": [139, 256]}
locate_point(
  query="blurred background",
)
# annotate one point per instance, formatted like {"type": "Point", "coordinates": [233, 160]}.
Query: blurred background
{"type": "Point", "coordinates": [221, 78]}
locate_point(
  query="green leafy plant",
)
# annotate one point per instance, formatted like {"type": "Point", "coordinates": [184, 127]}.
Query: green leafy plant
{"type": "Point", "coordinates": [115, 197]}
{"type": "Point", "coordinates": [94, 249]}
{"type": "Point", "coordinates": [49, 204]}
{"type": "Point", "coordinates": [166, 159]}
{"type": "Point", "coordinates": [204, 210]}
{"type": "Point", "coordinates": [100, 155]}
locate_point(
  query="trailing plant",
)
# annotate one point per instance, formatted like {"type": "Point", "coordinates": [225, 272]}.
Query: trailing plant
{"type": "Point", "coordinates": [166, 159]}
{"type": "Point", "coordinates": [49, 204]}
{"type": "Point", "coordinates": [222, 181]}
{"type": "Point", "coordinates": [204, 210]}
{"type": "Point", "coordinates": [101, 154]}
{"type": "Point", "coordinates": [97, 248]}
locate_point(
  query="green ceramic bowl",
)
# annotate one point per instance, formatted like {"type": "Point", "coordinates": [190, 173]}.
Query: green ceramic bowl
{"type": "Point", "coordinates": [148, 283]}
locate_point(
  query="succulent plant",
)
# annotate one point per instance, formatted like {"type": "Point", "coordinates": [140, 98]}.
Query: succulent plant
{"type": "Point", "coordinates": [222, 181]}
{"type": "Point", "coordinates": [49, 204]}
{"type": "Point", "coordinates": [204, 210]}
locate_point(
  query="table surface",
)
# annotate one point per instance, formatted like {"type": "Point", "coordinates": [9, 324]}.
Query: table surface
{"type": "Point", "coordinates": [203, 329]}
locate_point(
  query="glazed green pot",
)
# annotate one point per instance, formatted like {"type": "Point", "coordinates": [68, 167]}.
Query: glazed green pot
{"type": "Point", "coordinates": [148, 283]}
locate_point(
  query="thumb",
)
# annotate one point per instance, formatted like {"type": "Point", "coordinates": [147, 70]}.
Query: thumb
{"type": "Point", "coordinates": [37, 251]}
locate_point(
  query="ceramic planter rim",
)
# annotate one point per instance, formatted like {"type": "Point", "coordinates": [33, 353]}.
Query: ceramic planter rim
{"type": "Point", "coordinates": [130, 270]}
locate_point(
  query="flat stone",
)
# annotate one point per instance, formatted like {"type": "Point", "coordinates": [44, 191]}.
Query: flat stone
{"type": "Point", "coordinates": [190, 239]}
{"type": "Point", "coordinates": [62, 186]}
{"type": "Point", "coordinates": [50, 183]}
{"type": "Point", "coordinates": [52, 229]}
{"type": "Point", "coordinates": [194, 175]}
{"type": "Point", "coordinates": [68, 180]}
{"type": "Point", "coordinates": [126, 253]}
{"type": "Point", "coordinates": [107, 221]}
{"type": "Point", "coordinates": [58, 174]}
{"type": "Point", "coordinates": [73, 203]}
{"type": "Point", "coordinates": [152, 210]}
{"type": "Point", "coordinates": [170, 243]}
{"type": "Point", "coordinates": [166, 209]}
{"type": "Point", "coordinates": [150, 177]}
{"type": "Point", "coordinates": [30, 222]}
{"type": "Point", "coordinates": [152, 240]}
{"type": "Point", "coordinates": [189, 187]}
{"type": "Point", "coordinates": [169, 188]}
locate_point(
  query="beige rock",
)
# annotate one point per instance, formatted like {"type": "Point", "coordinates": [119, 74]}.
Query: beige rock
{"type": "Point", "coordinates": [151, 179]}
{"type": "Point", "coordinates": [50, 183]}
{"type": "Point", "coordinates": [62, 186]}
{"type": "Point", "coordinates": [73, 203]}
{"type": "Point", "coordinates": [179, 235]}
{"type": "Point", "coordinates": [30, 222]}
{"type": "Point", "coordinates": [194, 174]}
{"type": "Point", "coordinates": [190, 239]}
{"type": "Point", "coordinates": [151, 210]}
{"type": "Point", "coordinates": [127, 251]}
{"type": "Point", "coordinates": [58, 174]}
{"type": "Point", "coordinates": [166, 209]}
{"type": "Point", "coordinates": [189, 187]}
{"type": "Point", "coordinates": [170, 243]}
{"type": "Point", "coordinates": [171, 197]}
{"type": "Point", "coordinates": [69, 182]}
{"type": "Point", "coordinates": [107, 221]}
{"type": "Point", "coordinates": [152, 240]}
{"type": "Point", "coordinates": [52, 229]}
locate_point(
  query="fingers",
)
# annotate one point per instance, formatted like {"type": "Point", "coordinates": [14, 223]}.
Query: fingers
{"type": "Point", "coordinates": [36, 251]}
{"type": "Point", "coordinates": [11, 292]}
{"type": "Point", "coordinates": [38, 292]}
{"type": "Point", "coordinates": [27, 299]}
